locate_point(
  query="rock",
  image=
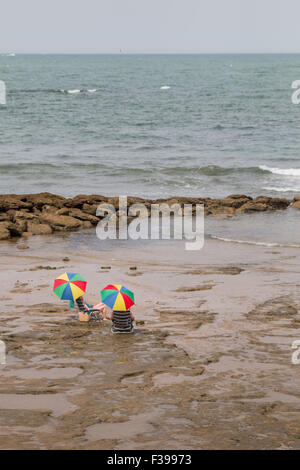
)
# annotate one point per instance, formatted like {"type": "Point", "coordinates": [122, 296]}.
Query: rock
{"type": "Point", "coordinates": [39, 229]}
{"type": "Point", "coordinates": [252, 207]}
{"type": "Point", "coordinates": [81, 199]}
{"type": "Point", "coordinates": [49, 209]}
{"type": "Point", "coordinates": [21, 225]}
{"type": "Point", "coordinates": [221, 210]}
{"type": "Point", "coordinates": [60, 222]}
{"type": "Point", "coordinates": [22, 214]}
{"type": "Point", "coordinates": [4, 233]}
{"type": "Point", "coordinates": [22, 246]}
{"type": "Point", "coordinates": [235, 201]}
{"type": "Point", "coordinates": [12, 201]}
{"type": "Point", "coordinates": [239, 196]}
{"type": "Point", "coordinates": [63, 211]}
{"type": "Point", "coordinates": [263, 203]}
{"type": "Point", "coordinates": [296, 204]}
{"type": "Point", "coordinates": [20, 218]}
{"type": "Point", "coordinates": [90, 208]}
{"type": "Point", "coordinates": [114, 201]}
{"type": "Point", "coordinates": [137, 200]}
{"type": "Point", "coordinates": [42, 199]}
{"type": "Point", "coordinates": [78, 214]}
{"type": "Point", "coordinates": [45, 212]}
{"type": "Point", "coordinates": [273, 203]}
{"type": "Point", "coordinates": [86, 224]}
{"type": "Point", "coordinates": [14, 230]}
{"type": "Point", "coordinates": [4, 217]}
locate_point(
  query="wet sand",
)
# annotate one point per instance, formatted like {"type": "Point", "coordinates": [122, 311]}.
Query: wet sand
{"type": "Point", "coordinates": [208, 367]}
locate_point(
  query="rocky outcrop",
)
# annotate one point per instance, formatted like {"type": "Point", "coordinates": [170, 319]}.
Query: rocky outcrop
{"type": "Point", "coordinates": [60, 222]}
{"type": "Point", "coordinates": [296, 203]}
{"type": "Point", "coordinates": [240, 204]}
{"type": "Point", "coordinates": [38, 229]}
{"type": "Point", "coordinates": [4, 233]}
{"type": "Point", "coordinates": [46, 213]}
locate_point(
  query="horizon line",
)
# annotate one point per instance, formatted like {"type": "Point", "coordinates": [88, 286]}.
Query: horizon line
{"type": "Point", "coordinates": [6, 53]}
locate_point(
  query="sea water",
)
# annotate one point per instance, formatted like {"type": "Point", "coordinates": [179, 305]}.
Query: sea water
{"type": "Point", "coordinates": [151, 125]}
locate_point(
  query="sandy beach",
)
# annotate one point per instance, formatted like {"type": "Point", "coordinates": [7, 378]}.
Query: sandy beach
{"type": "Point", "coordinates": [208, 367]}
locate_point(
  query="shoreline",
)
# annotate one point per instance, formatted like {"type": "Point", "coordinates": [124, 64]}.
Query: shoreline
{"type": "Point", "coordinates": [46, 213]}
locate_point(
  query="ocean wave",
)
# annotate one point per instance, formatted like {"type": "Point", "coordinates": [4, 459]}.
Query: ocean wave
{"type": "Point", "coordinates": [165, 87]}
{"type": "Point", "coordinates": [175, 171]}
{"type": "Point", "coordinates": [78, 90]}
{"type": "Point", "coordinates": [119, 171]}
{"type": "Point", "coordinates": [208, 170]}
{"type": "Point", "coordinates": [53, 90]}
{"type": "Point", "coordinates": [23, 166]}
{"type": "Point", "coordinates": [220, 127]}
{"type": "Point", "coordinates": [71, 91]}
{"type": "Point", "coordinates": [251, 242]}
{"type": "Point", "coordinates": [281, 171]}
{"type": "Point", "coordinates": [215, 170]}
{"type": "Point", "coordinates": [34, 167]}
{"type": "Point", "coordinates": [282, 190]}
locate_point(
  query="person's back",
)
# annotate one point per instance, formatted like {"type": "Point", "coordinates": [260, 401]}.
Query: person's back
{"type": "Point", "coordinates": [122, 321]}
{"type": "Point", "coordinates": [82, 310]}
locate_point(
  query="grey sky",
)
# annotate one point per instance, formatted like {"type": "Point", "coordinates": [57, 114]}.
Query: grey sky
{"type": "Point", "coordinates": [97, 26]}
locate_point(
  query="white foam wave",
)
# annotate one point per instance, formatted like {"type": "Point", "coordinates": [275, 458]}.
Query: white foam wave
{"type": "Point", "coordinates": [281, 171]}
{"type": "Point", "coordinates": [282, 190]}
{"type": "Point", "coordinates": [93, 90]}
{"type": "Point", "coordinates": [165, 87]}
{"type": "Point", "coordinates": [73, 91]}
{"type": "Point", "coordinates": [249, 242]}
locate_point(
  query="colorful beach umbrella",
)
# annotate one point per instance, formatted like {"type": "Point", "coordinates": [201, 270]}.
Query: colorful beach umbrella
{"type": "Point", "coordinates": [117, 297]}
{"type": "Point", "coordinates": [69, 286]}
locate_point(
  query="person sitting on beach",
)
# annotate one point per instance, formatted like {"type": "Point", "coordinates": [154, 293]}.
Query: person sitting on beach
{"type": "Point", "coordinates": [84, 307]}
{"type": "Point", "coordinates": [101, 306]}
{"type": "Point", "coordinates": [103, 310]}
{"type": "Point", "coordinates": [122, 321]}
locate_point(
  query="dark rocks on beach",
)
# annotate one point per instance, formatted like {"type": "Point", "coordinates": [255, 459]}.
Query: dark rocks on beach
{"type": "Point", "coordinates": [4, 233]}
{"type": "Point", "coordinates": [45, 213]}
{"type": "Point", "coordinates": [60, 222]}
{"type": "Point", "coordinates": [38, 229]}
{"type": "Point", "coordinates": [22, 246]}
{"type": "Point", "coordinates": [78, 214]}
{"type": "Point", "coordinates": [296, 203]}
{"type": "Point", "coordinates": [81, 199]}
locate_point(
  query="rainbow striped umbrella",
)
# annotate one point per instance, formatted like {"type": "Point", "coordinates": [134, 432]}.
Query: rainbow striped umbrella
{"type": "Point", "coordinates": [69, 286]}
{"type": "Point", "coordinates": [117, 297]}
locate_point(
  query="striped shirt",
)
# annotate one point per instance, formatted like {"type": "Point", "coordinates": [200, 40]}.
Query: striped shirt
{"type": "Point", "coordinates": [122, 320]}
{"type": "Point", "coordinates": [81, 305]}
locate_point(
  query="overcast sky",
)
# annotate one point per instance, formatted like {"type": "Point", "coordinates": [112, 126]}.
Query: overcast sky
{"type": "Point", "coordinates": [150, 26]}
